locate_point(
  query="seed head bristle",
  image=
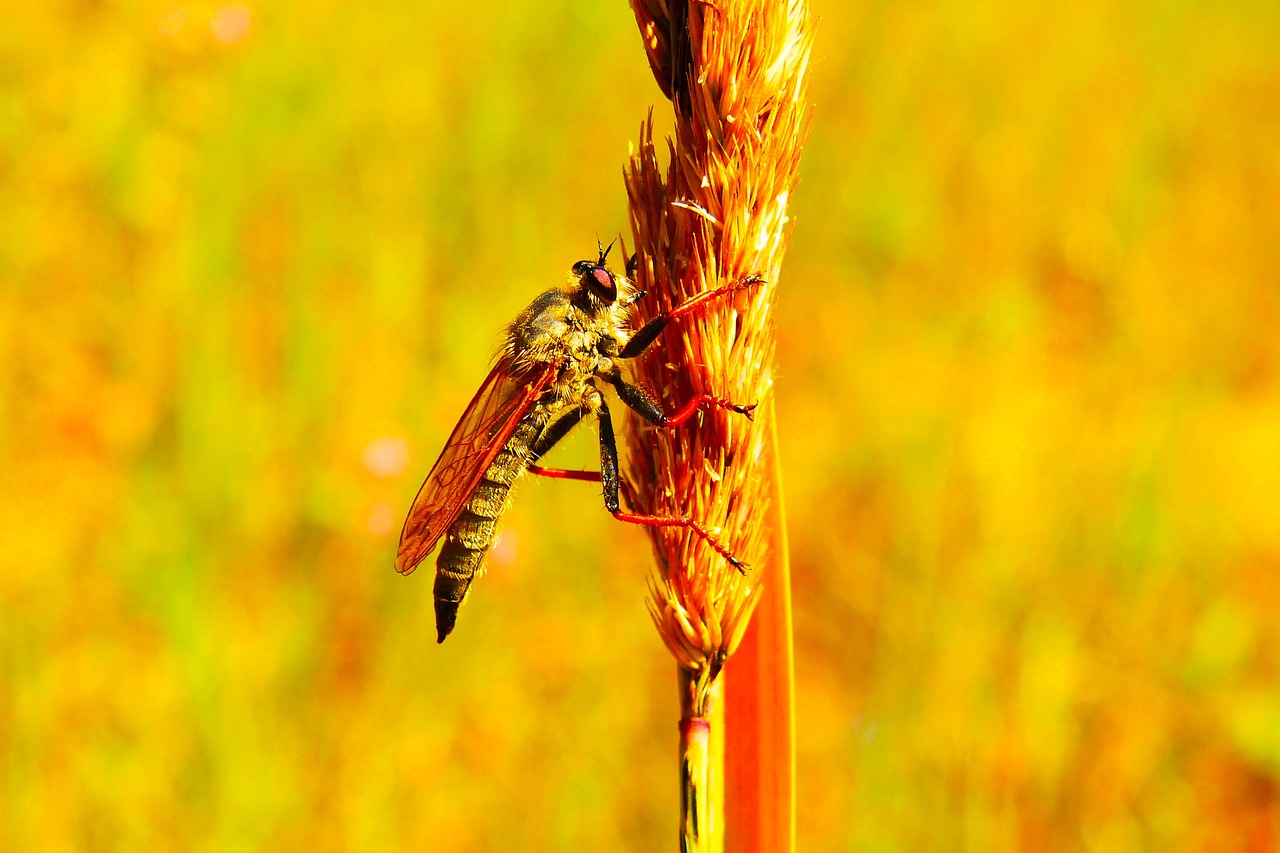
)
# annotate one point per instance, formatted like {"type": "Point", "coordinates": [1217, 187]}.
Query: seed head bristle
{"type": "Point", "coordinates": [736, 73]}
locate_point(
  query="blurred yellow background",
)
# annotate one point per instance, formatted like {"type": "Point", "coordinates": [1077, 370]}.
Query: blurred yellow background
{"type": "Point", "coordinates": [254, 258]}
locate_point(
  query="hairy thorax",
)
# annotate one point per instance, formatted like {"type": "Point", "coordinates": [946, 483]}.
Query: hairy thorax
{"type": "Point", "coordinates": [580, 339]}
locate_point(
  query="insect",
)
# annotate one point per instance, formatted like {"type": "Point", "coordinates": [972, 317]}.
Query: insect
{"type": "Point", "coordinates": [542, 385]}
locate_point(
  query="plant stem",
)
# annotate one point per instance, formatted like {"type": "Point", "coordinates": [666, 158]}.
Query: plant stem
{"type": "Point", "coordinates": [701, 764]}
{"type": "Point", "coordinates": [759, 700]}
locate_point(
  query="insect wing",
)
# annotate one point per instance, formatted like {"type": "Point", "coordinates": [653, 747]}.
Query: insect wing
{"type": "Point", "coordinates": [475, 442]}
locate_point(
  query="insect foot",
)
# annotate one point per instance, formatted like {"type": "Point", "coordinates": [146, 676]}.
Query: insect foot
{"type": "Point", "coordinates": [747, 410]}
{"type": "Point", "coordinates": [694, 405]}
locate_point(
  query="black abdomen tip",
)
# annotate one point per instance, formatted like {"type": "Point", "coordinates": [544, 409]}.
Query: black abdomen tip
{"type": "Point", "coordinates": [446, 617]}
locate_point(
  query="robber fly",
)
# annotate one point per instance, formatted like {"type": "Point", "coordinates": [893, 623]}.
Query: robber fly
{"type": "Point", "coordinates": [542, 385]}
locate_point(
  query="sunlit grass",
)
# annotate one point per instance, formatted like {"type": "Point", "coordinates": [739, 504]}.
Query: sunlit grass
{"type": "Point", "coordinates": [1027, 402]}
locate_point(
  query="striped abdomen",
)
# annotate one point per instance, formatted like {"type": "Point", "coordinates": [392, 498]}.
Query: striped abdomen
{"type": "Point", "coordinates": [471, 534]}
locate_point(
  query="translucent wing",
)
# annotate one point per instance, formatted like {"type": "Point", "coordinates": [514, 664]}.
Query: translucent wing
{"type": "Point", "coordinates": [484, 428]}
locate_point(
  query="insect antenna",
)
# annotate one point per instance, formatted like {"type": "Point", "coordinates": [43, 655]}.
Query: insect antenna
{"type": "Point", "coordinates": [604, 251]}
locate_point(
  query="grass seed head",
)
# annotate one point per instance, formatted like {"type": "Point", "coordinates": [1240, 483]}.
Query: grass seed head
{"type": "Point", "coordinates": [717, 213]}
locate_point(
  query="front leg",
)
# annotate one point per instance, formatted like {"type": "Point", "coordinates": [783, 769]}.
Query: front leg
{"type": "Point", "coordinates": [650, 331]}
{"type": "Point", "coordinates": [645, 406]}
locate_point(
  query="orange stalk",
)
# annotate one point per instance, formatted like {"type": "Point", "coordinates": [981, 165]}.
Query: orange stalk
{"type": "Point", "coordinates": [736, 74]}
{"type": "Point", "coordinates": [759, 706]}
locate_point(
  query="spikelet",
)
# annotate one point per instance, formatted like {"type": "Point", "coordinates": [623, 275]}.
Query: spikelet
{"type": "Point", "coordinates": [736, 73]}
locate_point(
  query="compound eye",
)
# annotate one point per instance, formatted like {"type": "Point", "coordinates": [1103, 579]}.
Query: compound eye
{"type": "Point", "coordinates": [602, 284]}
{"type": "Point", "coordinates": [582, 268]}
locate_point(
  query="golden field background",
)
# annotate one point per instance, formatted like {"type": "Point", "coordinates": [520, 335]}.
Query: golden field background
{"type": "Point", "coordinates": [254, 258]}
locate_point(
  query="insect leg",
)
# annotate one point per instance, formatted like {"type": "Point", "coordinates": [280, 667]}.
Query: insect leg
{"type": "Point", "coordinates": [609, 476]}
{"type": "Point", "coordinates": [549, 439]}
{"type": "Point", "coordinates": [650, 331]}
{"type": "Point", "coordinates": [558, 430]}
{"type": "Point", "coordinates": [636, 398]}
{"type": "Point", "coordinates": [565, 474]}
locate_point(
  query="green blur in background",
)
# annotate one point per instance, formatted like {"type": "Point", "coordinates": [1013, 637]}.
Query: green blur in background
{"type": "Point", "coordinates": [254, 258]}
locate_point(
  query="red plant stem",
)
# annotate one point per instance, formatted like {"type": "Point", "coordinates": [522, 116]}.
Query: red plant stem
{"type": "Point", "coordinates": [759, 701]}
